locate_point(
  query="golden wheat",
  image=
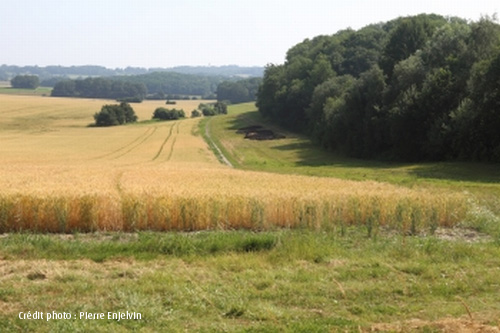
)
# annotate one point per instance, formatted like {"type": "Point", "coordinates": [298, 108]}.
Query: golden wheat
{"type": "Point", "coordinates": [57, 175]}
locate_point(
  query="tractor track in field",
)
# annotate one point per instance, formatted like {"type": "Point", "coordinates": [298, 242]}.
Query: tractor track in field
{"type": "Point", "coordinates": [165, 141]}
{"type": "Point", "coordinates": [173, 142]}
{"type": "Point", "coordinates": [131, 145]}
{"type": "Point", "coordinates": [218, 153]}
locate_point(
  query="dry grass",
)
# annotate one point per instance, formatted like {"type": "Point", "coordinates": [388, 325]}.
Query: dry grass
{"type": "Point", "coordinates": [58, 175]}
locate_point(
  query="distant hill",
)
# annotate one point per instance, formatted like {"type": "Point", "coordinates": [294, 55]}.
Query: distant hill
{"type": "Point", "coordinates": [230, 70]}
{"type": "Point", "coordinates": [47, 73]}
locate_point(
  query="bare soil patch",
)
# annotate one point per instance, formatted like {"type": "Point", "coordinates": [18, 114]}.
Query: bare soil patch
{"type": "Point", "coordinates": [257, 132]}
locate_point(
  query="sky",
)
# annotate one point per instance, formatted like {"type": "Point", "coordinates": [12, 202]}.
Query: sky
{"type": "Point", "coordinates": [168, 33]}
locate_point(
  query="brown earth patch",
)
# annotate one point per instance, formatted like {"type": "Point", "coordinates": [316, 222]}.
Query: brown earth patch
{"type": "Point", "coordinates": [257, 132]}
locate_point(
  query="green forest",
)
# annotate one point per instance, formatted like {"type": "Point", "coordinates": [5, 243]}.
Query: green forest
{"type": "Point", "coordinates": [415, 88]}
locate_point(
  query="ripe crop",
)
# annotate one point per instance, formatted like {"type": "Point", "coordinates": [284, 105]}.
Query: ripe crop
{"type": "Point", "coordinates": [57, 175]}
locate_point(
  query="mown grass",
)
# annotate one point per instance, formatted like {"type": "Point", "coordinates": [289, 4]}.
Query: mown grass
{"type": "Point", "coordinates": [241, 281]}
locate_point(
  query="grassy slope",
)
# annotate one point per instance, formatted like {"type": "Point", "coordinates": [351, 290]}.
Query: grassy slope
{"type": "Point", "coordinates": [296, 154]}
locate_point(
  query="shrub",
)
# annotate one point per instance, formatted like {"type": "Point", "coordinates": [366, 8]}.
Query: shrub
{"type": "Point", "coordinates": [166, 114]}
{"type": "Point", "coordinates": [112, 115]}
{"type": "Point", "coordinates": [213, 108]}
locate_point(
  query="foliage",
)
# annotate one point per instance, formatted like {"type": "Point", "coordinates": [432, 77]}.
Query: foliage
{"type": "Point", "coordinates": [170, 83]}
{"type": "Point", "coordinates": [112, 115]}
{"type": "Point", "coordinates": [195, 114]}
{"type": "Point", "coordinates": [239, 91]}
{"type": "Point", "coordinates": [213, 109]}
{"type": "Point", "coordinates": [166, 114]}
{"type": "Point", "coordinates": [25, 82]}
{"type": "Point", "coordinates": [410, 89]}
{"type": "Point", "coordinates": [100, 88]}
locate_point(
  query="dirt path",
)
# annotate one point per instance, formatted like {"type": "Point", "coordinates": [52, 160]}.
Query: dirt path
{"type": "Point", "coordinates": [220, 156]}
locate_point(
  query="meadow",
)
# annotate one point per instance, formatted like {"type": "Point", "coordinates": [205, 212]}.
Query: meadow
{"type": "Point", "coordinates": [290, 239]}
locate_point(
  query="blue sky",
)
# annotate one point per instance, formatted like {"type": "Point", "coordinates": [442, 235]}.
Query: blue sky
{"type": "Point", "coordinates": [155, 33]}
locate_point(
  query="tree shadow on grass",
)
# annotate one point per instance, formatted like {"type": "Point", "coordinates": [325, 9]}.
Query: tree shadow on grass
{"type": "Point", "coordinates": [312, 156]}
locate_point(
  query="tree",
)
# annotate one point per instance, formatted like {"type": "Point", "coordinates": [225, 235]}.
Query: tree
{"type": "Point", "coordinates": [166, 114]}
{"type": "Point", "coordinates": [410, 35]}
{"type": "Point", "coordinates": [415, 88]}
{"type": "Point", "coordinates": [238, 92]}
{"type": "Point", "coordinates": [213, 108]}
{"type": "Point", "coordinates": [112, 115]}
{"type": "Point", "coordinates": [25, 82]}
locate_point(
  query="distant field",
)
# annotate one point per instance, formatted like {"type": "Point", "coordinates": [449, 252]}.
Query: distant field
{"type": "Point", "coordinates": [59, 175]}
{"type": "Point", "coordinates": [5, 88]}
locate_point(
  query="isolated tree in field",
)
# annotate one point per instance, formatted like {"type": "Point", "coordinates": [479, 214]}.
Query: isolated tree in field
{"type": "Point", "coordinates": [213, 109]}
{"type": "Point", "coordinates": [25, 82]}
{"type": "Point", "coordinates": [112, 115]}
{"type": "Point", "coordinates": [166, 114]}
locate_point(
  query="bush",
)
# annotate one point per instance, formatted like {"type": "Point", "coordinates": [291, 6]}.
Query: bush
{"type": "Point", "coordinates": [166, 114]}
{"type": "Point", "coordinates": [195, 114]}
{"type": "Point", "coordinates": [112, 115]}
{"type": "Point", "coordinates": [213, 109]}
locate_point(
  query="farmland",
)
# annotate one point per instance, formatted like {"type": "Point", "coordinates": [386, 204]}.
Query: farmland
{"type": "Point", "coordinates": [59, 175]}
{"type": "Point", "coordinates": [289, 240]}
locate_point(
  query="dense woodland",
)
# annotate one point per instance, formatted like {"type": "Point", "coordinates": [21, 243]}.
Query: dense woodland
{"type": "Point", "coordinates": [239, 91]}
{"type": "Point", "coordinates": [415, 88]}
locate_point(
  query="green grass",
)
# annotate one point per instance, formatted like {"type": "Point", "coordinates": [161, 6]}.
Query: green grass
{"type": "Point", "coordinates": [41, 91]}
{"type": "Point", "coordinates": [297, 154]}
{"type": "Point", "coordinates": [241, 281]}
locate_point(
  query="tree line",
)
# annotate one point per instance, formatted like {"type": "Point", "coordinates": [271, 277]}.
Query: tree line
{"type": "Point", "coordinates": [416, 88]}
{"type": "Point", "coordinates": [47, 73]}
{"type": "Point", "coordinates": [159, 86]}
{"type": "Point", "coordinates": [153, 86]}
{"type": "Point", "coordinates": [99, 88]}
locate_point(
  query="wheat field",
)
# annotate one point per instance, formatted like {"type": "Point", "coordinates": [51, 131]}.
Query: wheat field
{"type": "Point", "coordinates": [59, 175]}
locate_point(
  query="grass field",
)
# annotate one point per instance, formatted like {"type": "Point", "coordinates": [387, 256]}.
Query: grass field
{"type": "Point", "coordinates": [5, 88]}
{"type": "Point", "coordinates": [292, 239]}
